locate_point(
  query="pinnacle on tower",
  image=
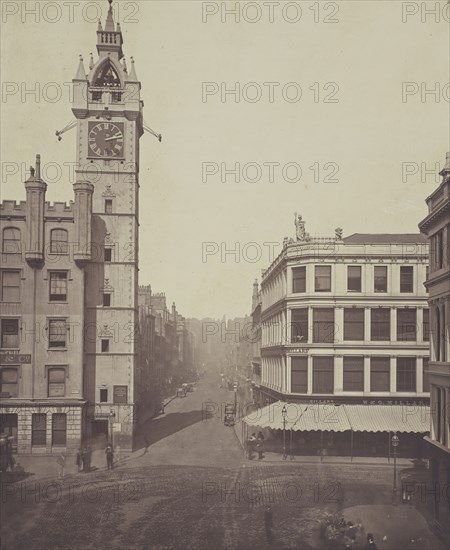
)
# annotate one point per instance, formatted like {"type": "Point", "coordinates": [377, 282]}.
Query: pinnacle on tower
{"type": "Point", "coordinates": [109, 27]}
{"type": "Point", "coordinates": [445, 172]}
{"type": "Point", "coordinates": [81, 73]}
{"type": "Point", "coordinates": [133, 77]}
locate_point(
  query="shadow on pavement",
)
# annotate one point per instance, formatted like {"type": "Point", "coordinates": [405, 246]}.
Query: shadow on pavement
{"type": "Point", "coordinates": [163, 426]}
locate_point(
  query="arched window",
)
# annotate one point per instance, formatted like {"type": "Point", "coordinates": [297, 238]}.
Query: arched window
{"type": "Point", "coordinates": [11, 240]}
{"type": "Point", "coordinates": [107, 77]}
{"type": "Point", "coordinates": [59, 241]}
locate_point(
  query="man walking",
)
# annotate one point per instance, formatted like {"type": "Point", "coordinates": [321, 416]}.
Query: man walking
{"type": "Point", "coordinates": [61, 461]}
{"type": "Point", "coordinates": [109, 456]}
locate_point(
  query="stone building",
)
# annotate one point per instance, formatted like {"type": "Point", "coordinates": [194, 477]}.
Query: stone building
{"type": "Point", "coordinates": [45, 249]}
{"type": "Point", "coordinates": [109, 122]}
{"type": "Point", "coordinates": [346, 321]}
{"type": "Point", "coordinates": [436, 226]}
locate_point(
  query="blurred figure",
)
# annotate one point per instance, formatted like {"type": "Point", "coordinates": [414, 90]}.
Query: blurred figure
{"type": "Point", "coordinates": [61, 461]}
{"type": "Point", "coordinates": [109, 456]}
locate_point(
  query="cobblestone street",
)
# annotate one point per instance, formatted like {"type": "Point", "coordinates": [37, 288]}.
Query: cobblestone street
{"type": "Point", "coordinates": [190, 487]}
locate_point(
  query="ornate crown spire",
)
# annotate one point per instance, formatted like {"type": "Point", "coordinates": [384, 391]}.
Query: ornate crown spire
{"type": "Point", "coordinates": [109, 38]}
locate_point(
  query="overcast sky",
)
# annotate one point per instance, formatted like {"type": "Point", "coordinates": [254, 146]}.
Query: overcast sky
{"type": "Point", "coordinates": [351, 131]}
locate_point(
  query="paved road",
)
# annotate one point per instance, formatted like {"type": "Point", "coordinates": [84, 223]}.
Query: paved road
{"type": "Point", "coordinates": [188, 486]}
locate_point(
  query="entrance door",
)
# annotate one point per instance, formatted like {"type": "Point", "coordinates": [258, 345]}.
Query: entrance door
{"type": "Point", "coordinates": [8, 426]}
{"type": "Point", "coordinates": [99, 434]}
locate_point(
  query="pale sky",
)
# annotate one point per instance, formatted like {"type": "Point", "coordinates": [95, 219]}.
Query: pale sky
{"type": "Point", "coordinates": [362, 61]}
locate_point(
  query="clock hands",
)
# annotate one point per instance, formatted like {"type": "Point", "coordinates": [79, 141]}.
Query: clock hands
{"type": "Point", "coordinates": [113, 137]}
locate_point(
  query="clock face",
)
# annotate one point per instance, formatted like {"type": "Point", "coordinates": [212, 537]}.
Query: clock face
{"type": "Point", "coordinates": [106, 139]}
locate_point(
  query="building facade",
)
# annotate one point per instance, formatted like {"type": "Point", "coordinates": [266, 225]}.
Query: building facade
{"type": "Point", "coordinates": [45, 250]}
{"type": "Point", "coordinates": [346, 321]}
{"type": "Point", "coordinates": [108, 109]}
{"type": "Point", "coordinates": [436, 226]}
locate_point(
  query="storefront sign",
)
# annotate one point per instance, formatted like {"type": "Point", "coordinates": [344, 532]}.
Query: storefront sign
{"type": "Point", "coordinates": [15, 358]}
{"type": "Point", "coordinates": [120, 394]}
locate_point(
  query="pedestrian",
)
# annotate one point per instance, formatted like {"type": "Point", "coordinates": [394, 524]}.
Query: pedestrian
{"type": "Point", "coordinates": [84, 459]}
{"type": "Point", "coordinates": [370, 545]}
{"type": "Point", "coordinates": [268, 523]}
{"type": "Point", "coordinates": [89, 457]}
{"type": "Point", "coordinates": [79, 459]}
{"type": "Point", "coordinates": [250, 446]}
{"type": "Point", "coordinates": [61, 461]}
{"type": "Point", "coordinates": [109, 456]}
{"type": "Point", "coordinates": [260, 445]}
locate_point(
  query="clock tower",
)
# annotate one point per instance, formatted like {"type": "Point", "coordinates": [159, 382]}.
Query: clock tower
{"type": "Point", "coordinates": [108, 109]}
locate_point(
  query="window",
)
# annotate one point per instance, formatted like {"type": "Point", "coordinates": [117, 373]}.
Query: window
{"type": "Point", "coordinates": [58, 286]}
{"type": "Point", "coordinates": [425, 375]}
{"type": "Point", "coordinates": [406, 278]}
{"type": "Point", "coordinates": [56, 382]}
{"type": "Point", "coordinates": [353, 374]}
{"type": "Point", "coordinates": [322, 278]}
{"type": "Point", "coordinates": [380, 324]}
{"type": "Point", "coordinates": [9, 382]}
{"type": "Point", "coordinates": [10, 333]}
{"type": "Point", "coordinates": [10, 281]}
{"type": "Point", "coordinates": [380, 278]}
{"type": "Point", "coordinates": [426, 325]}
{"type": "Point", "coordinates": [108, 254]}
{"type": "Point", "coordinates": [120, 394]}
{"type": "Point", "coordinates": [353, 323]}
{"type": "Point", "coordinates": [38, 429]}
{"type": "Point", "coordinates": [323, 375]}
{"type": "Point", "coordinates": [106, 300]}
{"type": "Point", "coordinates": [406, 374]}
{"type": "Point", "coordinates": [59, 241]}
{"type": "Point", "coordinates": [59, 429]}
{"type": "Point", "coordinates": [380, 374]}
{"type": "Point", "coordinates": [299, 325]}
{"type": "Point", "coordinates": [11, 240]}
{"type": "Point", "coordinates": [323, 321]}
{"type": "Point", "coordinates": [103, 396]}
{"type": "Point", "coordinates": [108, 206]}
{"type": "Point", "coordinates": [299, 279]}
{"type": "Point", "coordinates": [354, 278]}
{"type": "Point", "coordinates": [57, 332]}
{"type": "Point", "coordinates": [406, 325]}
{"type": "Point", "coordinates": [105, 346]}
{"type": "Point", "coordinates": [299, 374]}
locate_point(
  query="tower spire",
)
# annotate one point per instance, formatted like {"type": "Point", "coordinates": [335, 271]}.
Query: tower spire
{"type": "Point", "coordinates": [81, 73]}
{"type": "Point", "coordinates": [133, 77]}
{"type": "Point", "coordinates": [109, 27]}
{"type": "Point", "coordinates": [109, 38]}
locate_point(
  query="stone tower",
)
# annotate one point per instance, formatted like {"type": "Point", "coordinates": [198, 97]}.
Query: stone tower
{"type": "Point", "coordinates": [108, 108]}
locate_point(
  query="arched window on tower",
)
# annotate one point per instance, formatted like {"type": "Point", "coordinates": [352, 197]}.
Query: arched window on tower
{"type": "Point", "coordinates": [107, 77]}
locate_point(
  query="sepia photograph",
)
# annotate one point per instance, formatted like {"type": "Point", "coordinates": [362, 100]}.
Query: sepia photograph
{"type": "Point", "coordinates": [225, 275]}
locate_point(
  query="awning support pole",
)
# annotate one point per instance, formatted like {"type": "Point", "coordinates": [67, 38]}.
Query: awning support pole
{"type": "Point", "coordinates": [321, 445]}
{"type": "Point", "coordinates": [351, 446]}
{"type": "Point", "coordinates": [389, 446]}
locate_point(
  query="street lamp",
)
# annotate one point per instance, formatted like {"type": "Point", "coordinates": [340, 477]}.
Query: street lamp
{"type": "Point", "coordinates": [284, 414]}
{"type": "Point", "coordinates": [112, 415]}
{"type": "Point", "coordinates": [395, 441]}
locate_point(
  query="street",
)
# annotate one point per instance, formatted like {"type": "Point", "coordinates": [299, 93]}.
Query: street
{"type": "Point", "coordinates": [189, 486]}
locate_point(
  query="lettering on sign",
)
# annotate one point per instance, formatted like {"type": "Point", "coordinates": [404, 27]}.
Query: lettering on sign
{"type": "Point", "coordinates": [15, 358]}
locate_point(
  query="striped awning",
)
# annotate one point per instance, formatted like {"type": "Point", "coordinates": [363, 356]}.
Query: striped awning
{"type": "Point", "coordinates": [389, 418]}
{"type": "Point", "coordinates": [341, 418]}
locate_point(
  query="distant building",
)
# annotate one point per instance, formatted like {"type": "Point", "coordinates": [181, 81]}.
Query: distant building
{"type": "Point", "coordinates": [45, 249]}
{"type": "Point", "coordinates": [346, 320]}
{"type": "Point", "coordinates": [436, 226]}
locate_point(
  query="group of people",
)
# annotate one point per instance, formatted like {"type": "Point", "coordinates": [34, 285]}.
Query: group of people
{"type": "Point", "coordinates": [255, 443]}
{"type": "Point", "coordinates": [6, 453]}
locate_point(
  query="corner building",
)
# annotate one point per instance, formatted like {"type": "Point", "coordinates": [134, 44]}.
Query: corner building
{"type": "Point", "coordinates": [108, 110]}
{"type": "Point", "coordinates": [346, 321]}
{"type": "Point", "coordinates": [437, 228]}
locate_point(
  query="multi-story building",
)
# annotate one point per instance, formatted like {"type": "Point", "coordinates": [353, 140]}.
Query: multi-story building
{"type": "Point", "coordinates": [256, 337]}
{"type": "Point", "coordinates": [436, 226]}
{"type": "Point", "coordinates": [109, 113]}
{"type": "Point", "coordinates": [45, 249]}
{"type": "Point", "coordinates": [346, 320]}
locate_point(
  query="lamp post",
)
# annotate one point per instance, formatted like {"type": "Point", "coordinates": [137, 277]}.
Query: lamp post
{"type": "Point", "coordinates": [235, 387]}
{"type": "Point", "coordinates": [284, 414]}
{"type": "Point", "coordinates": [112, 415]}
{"type": "Point", "coordinates": [395, 442]}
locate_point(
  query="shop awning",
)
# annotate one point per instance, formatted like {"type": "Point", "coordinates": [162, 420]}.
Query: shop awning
{"type": "Point", "coordinates": [300, 417]}
{"type": "Point", "coordinates": [388, 418]}
{"type": "Point", "coordinates": [335, 418]}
